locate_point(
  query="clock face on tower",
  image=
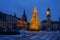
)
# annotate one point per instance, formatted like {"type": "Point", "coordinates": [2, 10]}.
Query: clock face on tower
{"type": "Point", "coordinates": [48, 12]}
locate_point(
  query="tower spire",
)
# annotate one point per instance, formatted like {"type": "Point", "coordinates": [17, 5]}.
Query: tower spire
{"type": "Point", "coordinates": [24, 16]}
{"type": "Point", "coordinates": [35, 24]}
{"type": "Point", "coordinates": [14, 14]}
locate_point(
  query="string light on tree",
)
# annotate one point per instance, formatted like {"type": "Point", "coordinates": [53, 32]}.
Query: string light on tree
{"type": "Point", "coordinates": [35, 24]}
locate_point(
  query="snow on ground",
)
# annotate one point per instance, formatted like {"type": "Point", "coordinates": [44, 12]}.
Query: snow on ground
{"type": "Point", "coordinates": [32, 35]}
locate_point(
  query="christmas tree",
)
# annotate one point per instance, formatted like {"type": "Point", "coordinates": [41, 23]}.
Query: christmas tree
{"type": "Point", "coordinates": [35, 24]}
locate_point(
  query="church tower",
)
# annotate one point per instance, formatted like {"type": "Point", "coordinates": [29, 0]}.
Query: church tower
{"type": "Point", "coordinates": [24, 18]}
{"type": "Point", "coordinates": [48, 19]}
{"type": "Point", "coordinates": [48, 16]}
{"type": "Point", "coordinates": [24, 21]}
{"type": "Point", "coordinates": [35, 24]}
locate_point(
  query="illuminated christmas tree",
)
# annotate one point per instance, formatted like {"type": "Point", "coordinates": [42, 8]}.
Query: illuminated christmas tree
{"type": "Point", "coordinates": [35, 24]}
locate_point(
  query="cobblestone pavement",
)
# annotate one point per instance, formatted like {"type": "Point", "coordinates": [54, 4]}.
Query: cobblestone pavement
{"type": "Point", "coordinates": [40, 35]}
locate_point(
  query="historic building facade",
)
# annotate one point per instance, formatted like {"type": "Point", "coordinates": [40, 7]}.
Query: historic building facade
{"type": "Point", "coordinates": [54, 25]}
{"type": "Point", "coordinates": [12, 22]}
{"type": "Point", "coordinates": [49, 24]}
{"type": "Point", "coordinates": [22, 23]}
{"type": "Point", "coordinates": [7, 21]}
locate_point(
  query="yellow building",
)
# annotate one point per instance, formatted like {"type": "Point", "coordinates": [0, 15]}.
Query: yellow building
{"type": "Point", "coordinates": [35, 24]}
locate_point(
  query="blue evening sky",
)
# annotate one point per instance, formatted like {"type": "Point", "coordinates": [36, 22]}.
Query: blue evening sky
{"type": "Point", "coordinates": [18, 6]}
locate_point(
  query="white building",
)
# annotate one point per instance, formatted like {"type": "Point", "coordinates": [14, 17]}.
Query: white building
{"type": "Point", "coordinates": [54, 25]}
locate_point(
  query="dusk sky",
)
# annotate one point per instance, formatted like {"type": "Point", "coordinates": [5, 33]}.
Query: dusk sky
{"type": "Point", "coordinates": [18, 6]}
